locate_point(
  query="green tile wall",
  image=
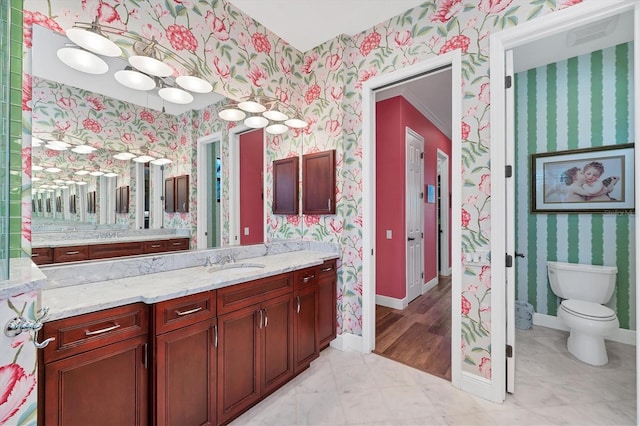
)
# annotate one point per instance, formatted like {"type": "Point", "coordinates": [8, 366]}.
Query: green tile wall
{"type": "Point", "coordinates": [15, 131]}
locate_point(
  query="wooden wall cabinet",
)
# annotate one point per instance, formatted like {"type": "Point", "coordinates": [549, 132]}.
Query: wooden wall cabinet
{"type": "Point", "coordinates": [185, 359]}
{"type": "Point", "coordinates": [285, 186]}
{"type": "Point", "coordinates": [122, 199]}
{"type": "Point", "coordinates": [96, 369]}
{"type": "Point", "coordinates": [319, 183]}
{"type": "Point", "coordinates": [176, 194]}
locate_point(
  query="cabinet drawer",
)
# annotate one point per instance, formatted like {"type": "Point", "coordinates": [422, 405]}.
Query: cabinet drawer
{"type": "Point", "coordinates": [105, 251]}
{"type": "Point", "coordinates": [70, 253]}
{"type": "Point", "coordinates": [177, 244]}
{"type": "Point", "coordinates": [305, 277]}
{"type": "Point", "coordinates": [328, 268]}
{"type": "Point", "coordinates": [89, 331]}
{"type": "Point", "coordinates": [175, 313]}
{"type": "Point", "coordinates": [155, 246]}
{"type": "Point", "coordinates": [42, 255]}
{"type": "Point", "coordinates": [242, 295]}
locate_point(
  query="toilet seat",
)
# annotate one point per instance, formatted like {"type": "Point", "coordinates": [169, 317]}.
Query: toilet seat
{"type": "Point", "coordinates": [588, 310]}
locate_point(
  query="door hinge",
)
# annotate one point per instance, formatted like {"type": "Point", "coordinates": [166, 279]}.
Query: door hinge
{"type": "Point", "coordinates": [421, 274]}
{"type": "Point", "coordinates": [371, 252]}
{"type": "Point", "coordinates": [421, 195]}
{"type": "Point", "coordinates": [146, 355]}
{"type": "Point", "coordinates": [508, 261]}
{"type": "Point", "coordinates": [421, 155]}
{"type": "Point", "coordinates": [507, 82]}
{"type": "Point", "coordinates": [422, 235]}
{"type": "Point", "coordinates": [508, 171]}
{"type": "Point", "coordinates": [509, 351]}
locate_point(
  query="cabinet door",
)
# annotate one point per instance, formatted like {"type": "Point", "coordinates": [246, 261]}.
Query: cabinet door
{"type": "Point", "coordinates": [277, 342]}
{"type": "Point", "coordinates": [106, 385]}
{"type": "Point", "coordinates": [238, 366]}
{"type": "Point", "coordinates": [305, 346]}
{"type": "Point", "coordinates": [285, 186]}
{"type": "Point", "coordinates": [319, 183]}
{"type": "Point", "coordinates": [182, 194]}
{"type": "Point", "coordinates": [186, 375]}
{"type": "Point", "coordinates": [169, 195]}
{"type": "Point", "coordinates": [327, 308]}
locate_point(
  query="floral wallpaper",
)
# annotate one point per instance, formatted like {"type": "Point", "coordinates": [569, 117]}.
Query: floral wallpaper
{"type": "Point", "coordinates": [240, 56]}
{"type": "Point", "coordinates": [18, 375]}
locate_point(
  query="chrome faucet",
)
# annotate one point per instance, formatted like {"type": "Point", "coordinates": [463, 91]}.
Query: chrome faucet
{"type": "Point", "coordinates": [227, 259]}
{"type": "Point", "coordinates": [208, 262]}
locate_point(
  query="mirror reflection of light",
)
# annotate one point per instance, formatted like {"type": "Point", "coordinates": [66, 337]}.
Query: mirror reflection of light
{"type": "Point", "coordinates": [35, 179]}
{"type": "Point", "coordinates": [52, 170]}
{"type": "Point", "coordinates": [37, 168]}
{"type": "Point", "coordinates": [161, 161]}
{"type": "Point", "coordinates": [83, 149]}
{"type": "Point", "coordinates": [81, 172]}
{"type": "Point", "coordinates": [36, 141]}
{"type": "Point", "coordinates": [70, 182]}
{"type": "Point", "coordinates": [124, 156]}
{"type": "Point", "coordinates": [143, 159]}
{"type": "Point", "coordinates": [81, 183]}
{"type": "Point", "coordinates": [96, 173]}
{"type": "Point", "coordinates": [110, 174]}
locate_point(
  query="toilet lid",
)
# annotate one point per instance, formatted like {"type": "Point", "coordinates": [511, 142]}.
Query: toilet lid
{"type": "Point", "coordinates": [589, 310]}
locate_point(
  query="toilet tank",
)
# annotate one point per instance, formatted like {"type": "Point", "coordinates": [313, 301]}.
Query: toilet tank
{"type": "Point", "coordinates": [591, 283]}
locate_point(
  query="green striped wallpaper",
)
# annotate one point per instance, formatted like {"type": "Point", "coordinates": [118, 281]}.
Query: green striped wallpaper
{"type": "Point", "coordinates": [581, 102]}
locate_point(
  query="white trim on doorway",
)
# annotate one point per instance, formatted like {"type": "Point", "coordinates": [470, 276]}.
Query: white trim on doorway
{"type": "Point", "coordinates": [443, 166]}
{"type": "Point", "coordinates": [203, 186]}
{"type": "Point", "coordinates": [558, 22]}
{"type": "Point", "coordinates": [454, 60]}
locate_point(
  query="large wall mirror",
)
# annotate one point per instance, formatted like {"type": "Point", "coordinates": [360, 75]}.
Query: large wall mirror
{"type": "Point", "coordinates": [83, 109]}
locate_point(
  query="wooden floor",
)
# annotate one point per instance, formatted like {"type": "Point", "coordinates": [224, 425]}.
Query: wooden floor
{"type": "Point", "coordinates": [420, 335]}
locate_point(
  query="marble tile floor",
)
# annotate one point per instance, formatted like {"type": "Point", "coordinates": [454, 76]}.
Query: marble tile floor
{"type": "Point", "coordinates": [552, 388]}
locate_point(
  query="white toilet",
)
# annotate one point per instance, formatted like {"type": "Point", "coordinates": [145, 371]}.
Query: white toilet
{"type": "Point", "coordinates": [584, 289]}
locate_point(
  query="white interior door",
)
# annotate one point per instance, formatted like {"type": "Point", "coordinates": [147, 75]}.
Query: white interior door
{"type": "Point", "coordinates": [414, 213]}
{"type": "Point", "coordinates": [510, 215]}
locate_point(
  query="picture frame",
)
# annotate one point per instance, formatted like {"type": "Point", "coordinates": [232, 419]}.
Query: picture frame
{"type": "Point", "coordinates": [588, 180]}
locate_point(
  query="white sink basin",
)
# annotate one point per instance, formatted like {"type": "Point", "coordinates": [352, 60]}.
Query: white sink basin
{"type": "Point", "coordinates": [236, 267]}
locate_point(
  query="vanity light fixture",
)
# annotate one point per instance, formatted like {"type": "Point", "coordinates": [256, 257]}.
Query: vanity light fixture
{"type": "Point", "coordinates": [52, 170]}
{"type": "Point", "coordinates": [124, 156]}
{"type": "Point", "coordinates": [81, 172]}
{"type": "Point", "coordinates": [83, 149]}
{"type": "Point", "coordinates": [35, 167]}
{"type": "Point", "coordinates": [143, 159]}
{"type": "Point", "coordinates": [161, 161]}
{"type": "Point", "coordinates": [57, 145]}
{"type": "Point", "coordinates": [81, 60]}
{"type": "Point", "coordinates": [110, 174]}
{"type": "Point", "coordinates": [148, 64]}
{"type": "Point", "coordinates": [96, 173]}
{"type": "Point", "coordinates": [81, 183]}
{"type": "Point", "coordinates": [261, 111]}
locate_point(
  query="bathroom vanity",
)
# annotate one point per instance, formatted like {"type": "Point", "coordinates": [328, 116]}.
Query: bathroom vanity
{"type": "Point", "coordinates": [196, 345]}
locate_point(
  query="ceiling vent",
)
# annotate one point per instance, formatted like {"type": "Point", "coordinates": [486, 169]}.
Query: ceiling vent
{"type": "Point", "coordinates": [591, 32]}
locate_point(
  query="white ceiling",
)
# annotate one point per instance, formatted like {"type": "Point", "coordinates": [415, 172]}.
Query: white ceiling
{"type": "Point", "coordinates": [305, 24]}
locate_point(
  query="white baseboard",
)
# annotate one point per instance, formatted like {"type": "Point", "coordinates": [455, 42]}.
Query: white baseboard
{"type": "Point", "coordinates": [428, 286]}
{"type": "Point", "coordinates": [391, 302]}
{"type": "Point", "coordinates": [620, 335]}
{"type": "Point", "coordinates": [348, 342]}
{"type": "Point", "coordinates": [478, 386]}
{"type": "Point", "coordinates": [446, 272]}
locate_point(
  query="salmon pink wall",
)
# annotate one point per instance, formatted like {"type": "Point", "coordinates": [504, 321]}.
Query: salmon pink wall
{"type": "Point", "coordinates": [392, 117]}
{"type": "Point", "coordinates": [251, 197]}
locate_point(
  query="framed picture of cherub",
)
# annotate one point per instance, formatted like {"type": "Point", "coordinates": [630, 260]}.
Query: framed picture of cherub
{"type": "Point", "coordinates": [589, 180]}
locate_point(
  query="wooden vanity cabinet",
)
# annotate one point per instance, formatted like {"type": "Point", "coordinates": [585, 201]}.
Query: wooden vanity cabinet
{"type": "Point", "coordinates": [70, 254]}
{"type": "Point", "coordinates": [107, 251]}
{"type": "Point", "coordinates": [95, 369]}
{"type": "Point", "coordinates": [175, 244]}
{"type": "Point", "coordinates": [255, 342]}
{"type": "Point", "coordinates": [305, 330]}
{"type": "Point", "coordinates": [327, 309]}
{"type": "Point", "coordinates": [42, 255]}
{"type": "Point", "coordinates": [185, 359]}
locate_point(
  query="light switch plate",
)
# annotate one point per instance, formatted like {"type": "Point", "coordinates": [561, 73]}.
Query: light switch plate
{"type": "Point", "coordinates": [246, 230]}
{"type": "Point", "coordinates": [389, 234]}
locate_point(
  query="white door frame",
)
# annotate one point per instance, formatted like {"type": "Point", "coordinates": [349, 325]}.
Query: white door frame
{"type": "Point", "coordinates": [204, 186]}
{"type": "Point", "coordinates": [453, 59]}
{"type": "Point", "coordinates": [410, 277]}
{"type": "Point", "coordinates": [557, 22]}
{"type": "Point", "coordinates": [443, 239]}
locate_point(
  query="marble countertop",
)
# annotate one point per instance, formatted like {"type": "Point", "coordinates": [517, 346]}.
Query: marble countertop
{"type": "Point", "coordinates": [151, 288]}
{"type": "Point", "coordinates": [24, 276]}
{"type": "Point", "coordinates": [93, 241]}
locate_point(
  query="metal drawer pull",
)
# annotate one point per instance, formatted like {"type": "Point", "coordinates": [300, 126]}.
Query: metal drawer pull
{"type": "Point", "coordinates": [176, 244]}
{"type": "Point", "coordinates": [34, 255]}
{"type": "Point", "coordinates": [73, 252]}
{"type": "Point", "coordinates": [309, 278]}
{"type": "Point", "coordinates": [297, 304]}
{"type": "Point", "coordinates": [104, 330]}
{"type": "Point", "coordinates": [327, 269]}
{"type": "Point", "coordinates": [155, 245]}
{"type": "Point", "coordinates": [215, 335]}
{"type": "Point", "coordinates": [266, 319]}
{"type": "Point", "coordinates": [190, 311]}
{"type": "Point", "coordinates": [261, 318]}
